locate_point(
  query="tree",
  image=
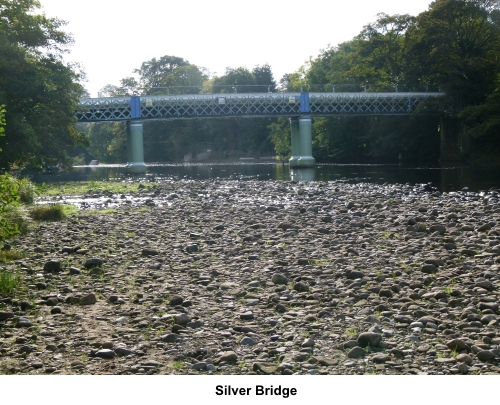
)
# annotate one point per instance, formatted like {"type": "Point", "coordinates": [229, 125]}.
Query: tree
{"type": "Point", "coordinates": [154, 72]}
{"type": "Point", "coordinates": [2, 121]}
{"type": "Point", "coordinates": [456, 46]}
{"type": "Point", "coordinates": [239, 80]}
{"type": "Point", "coordinates": [40, 91]}
{"type": "Point", "coordinates": [264, 78]}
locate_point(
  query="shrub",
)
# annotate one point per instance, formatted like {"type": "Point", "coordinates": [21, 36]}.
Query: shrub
{"type": "Point", "coordinates": [53, 212]}
{"type": "Point", "coordinates": [13, 221]}
{"type": "Point", "coordinates": [9, 282]}
{"type": "Point", "coordinates": [9, 255]}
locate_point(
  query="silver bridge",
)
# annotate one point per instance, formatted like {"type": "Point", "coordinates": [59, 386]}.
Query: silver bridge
{"type": "Point", "coordinates": [167, 107]}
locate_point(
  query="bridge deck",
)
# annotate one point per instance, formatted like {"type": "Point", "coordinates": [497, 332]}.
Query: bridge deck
{"type": "Point", "coordinates": [248, 105]}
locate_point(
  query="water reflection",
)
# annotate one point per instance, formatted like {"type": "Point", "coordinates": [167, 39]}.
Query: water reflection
{"type": "Point", "coordinates": [305, 174]}
{"type": "Point", "coordinates": [445, 179]}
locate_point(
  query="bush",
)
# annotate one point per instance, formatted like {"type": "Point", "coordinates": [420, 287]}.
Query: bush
{"type": "Point", "coordinates": [9, 282]}
{"type": "Point", "coordinates": [53, 212]}
{"type": "Point", "coordinates": [13, 221]}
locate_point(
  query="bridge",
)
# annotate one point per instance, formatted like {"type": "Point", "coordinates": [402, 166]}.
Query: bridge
{"type": "Point", "coordinates": [299, 107]}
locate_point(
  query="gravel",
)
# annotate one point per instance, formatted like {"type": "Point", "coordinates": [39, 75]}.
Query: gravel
{"type": "Point", "coordinates": [260, 277]}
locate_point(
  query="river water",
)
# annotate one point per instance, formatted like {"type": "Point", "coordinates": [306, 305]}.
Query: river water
{"type": "Point", "coordinates": [443, 178]}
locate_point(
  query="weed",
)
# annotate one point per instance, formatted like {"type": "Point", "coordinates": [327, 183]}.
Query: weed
{"type": "Point", "coordinates": [178, 365]}
{"type": "Point", "coordinates": [352, 331]}
{"type": "Point", "coordinates": [242, 364]}
{"type": "Point", "coordinates": [9, 255]}
{"type": "Point", "coordinates": [9, 282]}
{"type": "Point", "coordinates": [54, 212]}
{"type": "Point", "coordinates": [454, 353]}
{"type": "Point", "coordinates": [447, 290]}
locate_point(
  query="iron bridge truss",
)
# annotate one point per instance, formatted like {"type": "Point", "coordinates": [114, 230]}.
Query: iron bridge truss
{"type": "Point", "coordinates": [249, 105]}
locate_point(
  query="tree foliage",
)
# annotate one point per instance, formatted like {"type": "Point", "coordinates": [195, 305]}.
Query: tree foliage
{"type": "Point", "coordinates": [39, 90]}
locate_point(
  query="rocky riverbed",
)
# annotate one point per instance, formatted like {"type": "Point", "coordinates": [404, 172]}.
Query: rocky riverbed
{"type": "Point", "coordinates": [232, 277]}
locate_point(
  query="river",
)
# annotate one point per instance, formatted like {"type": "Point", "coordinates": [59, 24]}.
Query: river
{"type": "Point", "coordinates": [452, 178]}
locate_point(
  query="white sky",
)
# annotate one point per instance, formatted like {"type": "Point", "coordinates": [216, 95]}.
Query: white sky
{"type": "Point", "coordinates": [113, 37]}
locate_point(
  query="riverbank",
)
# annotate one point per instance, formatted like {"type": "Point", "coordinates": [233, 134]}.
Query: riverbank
{"type": "Point", "coordinates": [228, 277]}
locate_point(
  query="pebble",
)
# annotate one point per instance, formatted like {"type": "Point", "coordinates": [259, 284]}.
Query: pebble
{"type": "Point", "coordinates": [361, 283]}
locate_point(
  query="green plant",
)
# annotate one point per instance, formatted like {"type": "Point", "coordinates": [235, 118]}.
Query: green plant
{"type": "Point", "coordinates": [53, 212]}
{"type": "Point", "coordinates": [454, 353]}
{"type": "Point", "coordinates": [352, 331]}
{"type": "Point", "coordinates": [242, 364]}
{"type": "Point", "coordinates": [9, 255]}
{"type": "Point", "coordinates": [9, 282]}
{"type": "Point", "coordinates": [13, 221]}
{"type": "Point", "coordinates": [177, 365]}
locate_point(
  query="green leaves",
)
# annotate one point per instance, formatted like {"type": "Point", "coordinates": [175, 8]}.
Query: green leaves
{"type": "Point", "coordinates": [2, 121]}
{"type": "Point", "coordinates": [40, 90]}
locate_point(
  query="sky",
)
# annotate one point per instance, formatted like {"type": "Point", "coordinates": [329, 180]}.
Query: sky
{"type": "Point", "coordinates": [114, 37]}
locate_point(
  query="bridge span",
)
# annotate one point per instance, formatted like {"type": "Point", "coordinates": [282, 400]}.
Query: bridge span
{"type": "Point", "coordinates": [299, 107]}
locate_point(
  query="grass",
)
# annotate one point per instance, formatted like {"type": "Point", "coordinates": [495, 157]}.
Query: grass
{"type": "Point", "coordinates": [9, 255]}
{"type": "Point", "coordinates": [78, 188]}
{"type": "Point", "coordinates": [352, 331]}
{"type": "Point", "coordinates": [53, 212]}
{"type": "Point", "coordinates": [178, 365]}
{"type": "Point", "coordinates": [9, 282]}
{"type": "Point", "coordinates": [103, 211]}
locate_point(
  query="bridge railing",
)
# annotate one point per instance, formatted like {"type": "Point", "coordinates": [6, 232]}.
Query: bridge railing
{"type": "Point", "coordinates": [256, 88]}
{"type": "Point", "coordinates": [250, 104]}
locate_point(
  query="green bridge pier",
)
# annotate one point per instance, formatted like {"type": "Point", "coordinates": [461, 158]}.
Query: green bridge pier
{"type": "Point", "coordinates": [301, 141]}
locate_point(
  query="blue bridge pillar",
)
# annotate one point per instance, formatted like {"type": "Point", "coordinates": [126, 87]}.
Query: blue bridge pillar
{"type": "Point", "coordinates": [135, 147]}
{"type": "Point", "coordinates": [295, 141]}
{"type": "Point", "coordinates": [305, 133]}
{"type": "Point", "coordinates": [135, 142]}
{"type": "Point", "coordinates": [301, 133]}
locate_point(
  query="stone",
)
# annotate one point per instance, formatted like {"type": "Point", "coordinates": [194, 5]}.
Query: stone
{"type": "Point", "coordinates": [105, 354]}
{"type": "Point", "coordinates": [52, 266]}
{"type": "Point", "coordinates": [265, 368]}
{"type": "Point", "coordinates": [369, 339]}
{"type": "Point", "coordinates": [96, 271]}
{"type": "Point", "coordinates": [356, 353]}
{"type": "Point", "coordinates": [301, 287]}
{"type": "Point", "coordinates": [182, 319]}
{"type": "Point", "coordinates": [56, 310]}
{"type": "Point", "coordinates": [456, 344]}
{"type": "Point", "coordinates": [381, 358]}
{"type": "Point", "coordinates": [429, 269]}
{"type": "Point", "coordinates": [176, 300]}
{"type": "Point", "coordinates": [122, 351]}
{"type": "Point", "coordinates": [438, 228]}
{"type": "Point", "coordinates": [278, 279]}
{"type": "Point", "coordinates": [6, 315]}
{"type": "Point", "coordinates": [464, 358]}
{"type": "Point", "coordinates": [247, 341]}
{"type": "Point", "coordinates": [485, 355]}
{"type": "Point", "coordinates": [93, 262]}
{"type": "Point", "coordinates": [89, 299]}
{"type": "Point", "coordinates": [246, 316]}
{"type": "Point", "coordinates": [200, 366]}
{"type": "Point", "coordinates": [463, 368]}
{"type": "Point", "coordinates": [149, 252]}
{"type": "Point", "coordinates": [228, 357]}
